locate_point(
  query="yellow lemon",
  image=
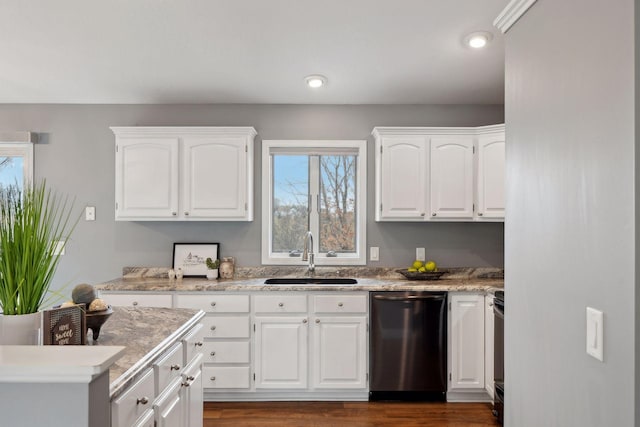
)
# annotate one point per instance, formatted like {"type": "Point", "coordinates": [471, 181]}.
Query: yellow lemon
{"type": "Point", "coordinates": [417, 264]}
{"type": "Point", "coordinates": [430, 266]}
{"type": "Point", "coordinates": [422, 270]}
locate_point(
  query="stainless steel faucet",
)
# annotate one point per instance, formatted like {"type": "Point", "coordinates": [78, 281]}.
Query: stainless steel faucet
{"type": "Point", "coordinates": [307, 253]}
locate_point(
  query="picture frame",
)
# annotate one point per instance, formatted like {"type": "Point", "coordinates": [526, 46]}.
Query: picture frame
{"type": "Point", "coordinates": [192, 257]}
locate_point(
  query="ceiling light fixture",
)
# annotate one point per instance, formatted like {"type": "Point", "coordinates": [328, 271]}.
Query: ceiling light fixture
{"type": "Point", "coordinates": [315, 81]}
{"type": "Point", "coordinates": [478, 40]}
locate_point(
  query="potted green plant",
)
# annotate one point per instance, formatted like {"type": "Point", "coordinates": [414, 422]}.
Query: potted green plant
{"type": "Point", "coordinates": [212, 268]}
{"type": "Point", "coordinates": [33, 223]}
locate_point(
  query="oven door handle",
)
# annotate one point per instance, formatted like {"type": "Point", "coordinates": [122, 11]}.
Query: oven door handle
{"type": "Point", "coordinates": [409, 297]}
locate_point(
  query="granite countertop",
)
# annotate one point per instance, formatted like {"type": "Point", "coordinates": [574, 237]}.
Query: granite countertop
{"type": "Point", "coordinates": [145, 333]}
{"type": "Point", "coordinates": [203, 285]}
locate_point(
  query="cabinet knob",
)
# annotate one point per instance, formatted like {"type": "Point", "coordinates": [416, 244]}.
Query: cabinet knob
{"type": "Point", "coordinates": [191, 378]}
{"type": "Point", "coordinates": [304, 320]}
{"type": "Point", "coordinates": [422, 214]}
{"type": "Point", "coordinates": [174, 213]}
{"type": "Point", "coordinates": [142, 401]}
{"type": "Point", "coordinates": [479, 213]}
{"type": "Point", "coordinates": [340, 304]}
{"type": "Point", "coordinates": [213, 328]}
{"type": "Point", "coordinates": [213, 353]}
{"type": "Point", "coordinates": [198, 344]}
{"type": "Point", "coordinates": [433, 214]}
{"type": "Point", "coordinates": [317, 320]}
{"type": "Point", "coordinates": [175, 367]}
{"type": "Point", "coordinates": [213, 304]}
{"type": "Point", "coordinates": [280, 304]}
{"type": "Point", "coordinates": [135, 303]}
{"type": "Point", "coordinates": [213, 378]}
{"type": "Point", "coordinates": [186, 384]}
{"type": "Point", "coordinates": [186, 213]}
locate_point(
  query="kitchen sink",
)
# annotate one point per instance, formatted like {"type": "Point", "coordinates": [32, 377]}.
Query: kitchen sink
{"type": "Point", "coordinates": [335, 281]}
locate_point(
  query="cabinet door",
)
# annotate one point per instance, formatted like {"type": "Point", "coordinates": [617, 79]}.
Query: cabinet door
{"type": "Point", "coordinates": [146, 178]}
{"type": "Point", "coordinates": [488, 344]}
{"type": "Point", "coordinates": [192, 396]}
{"type": "Point", "coordinates": [491, 172]}
{"type": "Point", "coordinates": [214, 178]}
{"type": "Point", "coordinates": [451, 183]}
{"type": "Point", "coordinates": [169, 408]}
{"type": "Point", "coordinates": [281, 352]}
{"type": "Point", "coordinates": [340, 352]}
{"type": "Point", "coordinates": [402, 178]}
{"type": "Point", "coordinates": [467, 341]}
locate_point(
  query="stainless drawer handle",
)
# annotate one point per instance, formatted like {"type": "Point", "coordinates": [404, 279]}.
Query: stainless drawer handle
{"type": "Point", "coordinates": [213, 353]}
{"type": "Point", "coordinates": [317, 320]}
{"type": "Point", "coordinates": [433, 214]}
{"type": "Point", "coordinates": [280, 304]}
{"type": "Point", "coordinates": [340, 304]}
{"type": "Point", "coordinates": [198, 344]}
{"type": "Point", "coordinates": [213, 304]}
{"type": "Point", "coordinates": [479, 213]}
{"type": "Point", "coordinates": [213, 378]}
{"type": "Point", "coordinates": [135, 303]}
{"type": "Point", "coordinates": [213, 328]}
{"type": "Point", "coordinates": [142, 401]}
{"type": "Point", "coordinates": [304, 320]}
{"type": "Point", "coordinates": [175, 367]}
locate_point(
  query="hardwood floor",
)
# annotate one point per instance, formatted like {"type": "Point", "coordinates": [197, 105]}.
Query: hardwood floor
{"type": "Point", "coordinates": [352, 414]}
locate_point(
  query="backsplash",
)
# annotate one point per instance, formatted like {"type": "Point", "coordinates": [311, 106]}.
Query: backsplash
{"type": "Point", "coordinates": [294, 271]}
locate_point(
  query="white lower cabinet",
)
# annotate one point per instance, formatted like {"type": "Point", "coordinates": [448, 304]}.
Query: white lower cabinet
{"type": "Point", "coordinates": [170, 392]}
{"type": "Point", "coordinates": [466, 347]}
{"type": "Point", "coordinates": [488, 344]}
{"type": "Point", "coordinates": [281, 352]}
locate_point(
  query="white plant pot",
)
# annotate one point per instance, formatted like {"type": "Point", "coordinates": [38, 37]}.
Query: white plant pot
{"type": "Point", "coordinates": [212, 274]}
{"type": "Point", "coordinates": [20, 329]}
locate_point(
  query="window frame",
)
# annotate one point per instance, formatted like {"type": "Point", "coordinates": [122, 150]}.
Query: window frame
{"type": "Point", "coordinates": [358, 147]}
{"type": "Point", "coordinates": [20, 149]}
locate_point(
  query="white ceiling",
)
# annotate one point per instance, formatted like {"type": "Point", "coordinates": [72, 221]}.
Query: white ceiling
{"type": "Point", "coordinates": [249, 51]}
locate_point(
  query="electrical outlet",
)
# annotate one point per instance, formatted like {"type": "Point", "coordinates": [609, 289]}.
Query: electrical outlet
{"type": "Point", "coordinates": [90, 213]}
{"type": "Point", "coordinates": [420, 254]}
{"type": "Point", "coordinates": [374, 253]}
{"type": "Point", "coordinates": [59, 249]}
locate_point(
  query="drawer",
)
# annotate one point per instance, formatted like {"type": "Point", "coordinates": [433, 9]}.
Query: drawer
{"type": "Point", "coordinates": [138, 300]}
{"type": "Point", "coordinates": [226, 352]}
{"type": "Point", "coordinates": [192, 343]}
{"type": "Point", "coordinates": [280, 304]}
{"type": "Point", "coordinates": [226, 377]}
{"type": "Point", "coordinates": [213, 303]}
{"type": "Point", "coordinates": [339, 303]}
{"type": "Point", "coordinates": [226, 327]}
{"type": "Point", "coordinates": [168, 367]}
{"type": "Point", "coordinates": [134, 402]}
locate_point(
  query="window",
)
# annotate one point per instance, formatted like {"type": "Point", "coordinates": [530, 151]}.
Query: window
{"type": "Point", "coordinates": [317, 186]}
{"type": "Point", "coordinates": [16, 163]}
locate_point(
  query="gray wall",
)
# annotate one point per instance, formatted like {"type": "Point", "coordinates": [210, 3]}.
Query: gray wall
{"type": "Point", "coordinates": [569, 234]}
{"type": "Point", "coordinates": [77, 157]}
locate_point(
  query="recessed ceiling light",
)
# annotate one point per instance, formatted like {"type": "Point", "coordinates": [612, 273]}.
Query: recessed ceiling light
{"type": "Point", "coordinates": [478, 40]}
{"type": "Point", "coordinates": [315, 81]}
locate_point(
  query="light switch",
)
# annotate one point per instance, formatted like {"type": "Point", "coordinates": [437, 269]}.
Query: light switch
{"type": "Point", "coordinates": [59, 249]}
{"type": "Point", "coordinates": [374, 253]}
{"type": "Point", "coordinates": [90, 213]}
{"type": "Point", "coordinates": [595, 329]}
{"type": "Point", "coordinates": [420, 254]}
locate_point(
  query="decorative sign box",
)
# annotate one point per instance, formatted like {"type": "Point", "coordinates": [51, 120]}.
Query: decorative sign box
{"type": "Point", "coordinates": [64, 326]}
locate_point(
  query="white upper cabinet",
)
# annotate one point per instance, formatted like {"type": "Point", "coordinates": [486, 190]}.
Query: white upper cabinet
{"type": "Point", "coordinates": [451, 180]}
{"type": "Point", "coordinates": [491, 172]}
{"type": "Point", "coordinates": [403, 158]}
{"type": "Point", "coordinates": [440, 174]}
{"type": "Point", "coordinates": [184, 173]}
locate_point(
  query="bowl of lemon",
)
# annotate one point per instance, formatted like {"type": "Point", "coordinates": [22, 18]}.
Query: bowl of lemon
{"type": "Point", "coordinates": [420, 270]}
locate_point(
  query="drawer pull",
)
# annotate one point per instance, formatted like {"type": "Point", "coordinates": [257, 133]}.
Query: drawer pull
{"type": "Point", "coordinates": [186, 384]}
{"type": "Point", "coordinates": [213, 353]}
{"type": "Point", "coordinates": [340, 304]}
{"type": "Point", "coordinates": [142, 401]}
{"type": "Point", "coordinates": [186, 213]}
{"type": "Point", "coordinates": [213, 304]}
{"type": "Point", "coordinates": [191, 378]}
{"type": "Point", "coordinates": [175, 367]}
{"type": "Point", "coordinates": [213, 378]}
{"type": "Point", "coordinates": [280, 304]}
{"type": "Point", "coordinates": [174, 213]}
{"type": "Point", "coordinates": [304, 320]}
{"type": "Point", "coordinates": [135, 303]}
{"type": "Point", "coordinates": [198, 344]}
{"type": "Point", "coordinates": [213, 328]}
{"type": "Point", "coordinates": [317, 320]}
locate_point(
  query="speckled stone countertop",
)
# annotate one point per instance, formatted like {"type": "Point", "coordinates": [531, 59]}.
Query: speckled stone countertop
{"type": "Point", "coordinates": [137, 279]}
{"type": "Point", "coordinates": [146, 333]}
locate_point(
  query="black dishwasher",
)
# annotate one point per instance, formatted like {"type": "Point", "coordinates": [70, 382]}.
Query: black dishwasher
{"type": "Point", "coordinates": [408, 346]}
